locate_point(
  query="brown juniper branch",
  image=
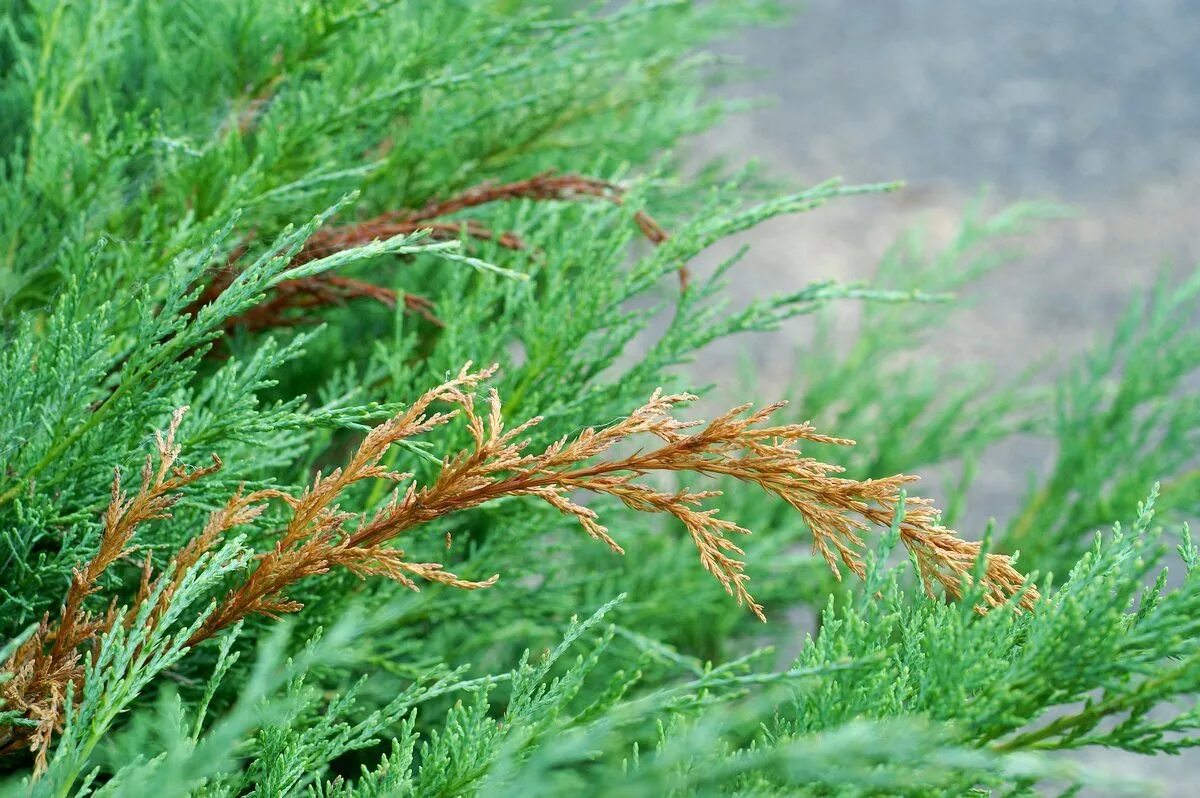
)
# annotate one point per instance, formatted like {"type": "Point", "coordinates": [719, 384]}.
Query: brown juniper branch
{"type": "Point", "coordinates": [319, 536]}
{"type": "Point", "coordinates": [51, 658]}
{"type": "Point", "coordinates": [323, 290]}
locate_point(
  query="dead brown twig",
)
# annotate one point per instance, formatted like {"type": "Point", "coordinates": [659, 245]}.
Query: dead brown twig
{"type": "Point", "coordinates": [322, 290]}
{"type": "Point", "coordinates": [546, 186]}
{"type": "Point", "coordinates": [51, 658]}
{"type": "Point", "coordinates": [319, 537]}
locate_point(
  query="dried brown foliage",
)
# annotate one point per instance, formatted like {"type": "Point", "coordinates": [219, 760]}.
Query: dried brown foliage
{"type": "Point", "coordinates": [42, 667]}
{"type": "Point", "coordinates": [307, 294]}
{"type": "Point", "coordinates": [318, 536]}
{"type": "Point", "coordinates": [322, 290]}
{"type": "Point", "coordinates": [546, 186]}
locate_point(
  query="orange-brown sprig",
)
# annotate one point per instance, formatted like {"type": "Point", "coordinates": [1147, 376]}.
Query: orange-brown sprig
{"type": "Point", "coordinates": [51, 658]}
{"type": "Point", "coordinates": [318, 536]}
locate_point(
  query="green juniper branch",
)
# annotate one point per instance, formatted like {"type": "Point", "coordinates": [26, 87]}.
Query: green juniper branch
{"type": "Point", "coordinates": [169, 170]}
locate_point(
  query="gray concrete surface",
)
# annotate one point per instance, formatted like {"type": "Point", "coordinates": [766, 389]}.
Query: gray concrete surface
{"type": "Point", "coordinates": [1092, 104]}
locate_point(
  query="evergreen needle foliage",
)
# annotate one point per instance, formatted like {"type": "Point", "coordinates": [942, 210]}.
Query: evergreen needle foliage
{"type": "Point", "coordinates": [248, 253]}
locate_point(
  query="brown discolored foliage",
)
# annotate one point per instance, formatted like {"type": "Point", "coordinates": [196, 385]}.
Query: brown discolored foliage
{"type": "Point", "coordinates": [318, 536]}
{"type": "Point", "coordinates": [323, 290]}
{"type": "Point", "coordinates": [44, 664]}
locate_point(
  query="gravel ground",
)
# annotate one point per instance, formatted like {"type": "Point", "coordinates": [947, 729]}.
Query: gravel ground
{"type": "Point", "coordinates": [1095, 105]}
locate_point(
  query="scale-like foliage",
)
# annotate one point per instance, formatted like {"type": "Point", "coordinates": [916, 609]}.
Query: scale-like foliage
{"type": "Point", "coordinates": [299, 222]}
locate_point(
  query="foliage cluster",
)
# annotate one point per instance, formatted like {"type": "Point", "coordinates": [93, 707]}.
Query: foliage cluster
{"type": "Point", "coordinates": [249, 251]}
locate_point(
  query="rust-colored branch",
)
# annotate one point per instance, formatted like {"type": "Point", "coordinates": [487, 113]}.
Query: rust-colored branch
{"type": "Point", "coordinates": [330, 240]}
{"type": "Point", "coordinates": [292, 301]}
{"type": "Point", "coordinates": [51, 658]}
{"type": "Point", "coordinates": [312, 293]}
{"type": "Point", "coordinates": [836, 509]}
{"type": "Point", "coordinates": [320, 537]}
{"type": "Point", "coordinates": [546, 186]}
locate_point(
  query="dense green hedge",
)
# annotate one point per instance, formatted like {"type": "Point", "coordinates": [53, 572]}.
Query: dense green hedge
{"type": "Point", "coordinates": [298, 220]}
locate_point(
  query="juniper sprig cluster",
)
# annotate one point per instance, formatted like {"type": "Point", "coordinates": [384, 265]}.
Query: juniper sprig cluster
{"type": "Point", "coordinates": [245, 253]}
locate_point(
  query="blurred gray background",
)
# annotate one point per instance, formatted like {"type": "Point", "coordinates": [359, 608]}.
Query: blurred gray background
{"type": "Point", "coordinates": [1095, 105]}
